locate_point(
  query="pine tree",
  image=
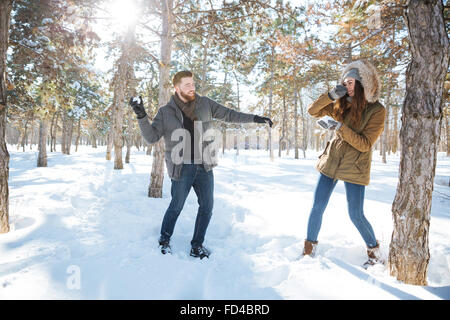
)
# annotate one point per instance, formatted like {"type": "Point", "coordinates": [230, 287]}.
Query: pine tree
{"type": "Point", "coordinates": [5, 11]}
{"type": "Point", "coordinates": [421, 117]}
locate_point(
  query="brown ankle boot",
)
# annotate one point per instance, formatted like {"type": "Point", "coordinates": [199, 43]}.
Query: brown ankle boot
{"type": "Point", "coordinates": [310, 248]}
{"type": "Point", "coordinates": [374, 256]}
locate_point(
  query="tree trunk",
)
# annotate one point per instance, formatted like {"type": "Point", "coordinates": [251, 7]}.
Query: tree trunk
{"type": "Point", "coordinates": [447, 117]}
{"type": "Point", "coordinates": [117, 115]}
{"type": "Point", "coordinates": [447, 129]}
{"type": "Point", "coordinates": [23, 135]}
{"type": "Point", "coordinates": [258, 140]}
{"type": "Point", "coordinates": [109, 143]}
{"type": "Point", "coordinates": [69, 136]}
{"type": "Point", "coordinates": [94, 144]}
{"type": "Point", "coordinates": [77, 140]}
{"type": "Point", "coordinates": [131, 85]}
{"type": "Point", "coordinates": [295, 120]}
{"type": "Point", "coordinates": [64, 130]}
{"type": "Point", "coordinates": [157, 175]}
{"type": "Point", "coordinates": [272, 67]}
{"type": "Point", "coordinates": [52, 125]}
{"type": "Point", "coordinates": [296, 71]}
{"type": "Point", "coordinates": [128, 152]}
{"type": "Point", "coordinates": [222, 101]}
{"type": "Point", "coordinates": [224, 138]}
{"type": "Point", "coordinates": [386, 143]}
{"type": "Point", "coordinates": [42, 156]}
{"type": "Point", "coordinates": [419, 137]}
{"type": "Point", "coordinates": [385, 140]}
{"type": "Point", "coordinates": [125, 61]}
{"type": "Point", "coordinates": [128, 140]}
{"type": "Point", "coordinates": [238, 109]}
{"type": "Point", "coordinates": [202, 90]}
{"type": "Point", "coordinates": [55, 131]}
{"type": "Point", "coordinates": [32, 132]}
{"type": "Point", "coordinates": [283, 139]}
{"type": "Point", "coordinates": [305, 130]}
{"type": "Point", "coordinates": [136, 142]}
{"type": "Point", "coordinates": [395, 133]}
{"type": "Point", "coordinates": [348, 49]}
{"type": "Point", "coordinates": [286, 130]}
{"type": "Point", "coordinates": [5, 11]}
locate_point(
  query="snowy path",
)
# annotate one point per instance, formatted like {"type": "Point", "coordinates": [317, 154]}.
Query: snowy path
{"type": "Point", "coordinates": [80, 214]}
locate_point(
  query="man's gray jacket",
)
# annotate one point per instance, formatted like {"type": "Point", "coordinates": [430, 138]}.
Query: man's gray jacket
{"type": "Point", "coordinates": [170, 118]}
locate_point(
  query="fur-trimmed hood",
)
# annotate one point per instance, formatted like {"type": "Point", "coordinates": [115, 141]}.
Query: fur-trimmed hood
{"type": "Point", "coordinates": [369, 76]}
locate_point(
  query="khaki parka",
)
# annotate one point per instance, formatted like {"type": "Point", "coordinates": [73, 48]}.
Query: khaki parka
{"type": "Point", "coordinates": [348, 155]}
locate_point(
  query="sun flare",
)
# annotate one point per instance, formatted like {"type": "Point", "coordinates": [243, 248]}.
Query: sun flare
{"type": "Point", "coordinates": [124, 12]}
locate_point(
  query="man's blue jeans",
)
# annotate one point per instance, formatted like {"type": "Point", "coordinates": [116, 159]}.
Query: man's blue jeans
{"type": "Point", "coordinates": [192, 175]}
{"type": "Point", "coordinates": [355, 204]}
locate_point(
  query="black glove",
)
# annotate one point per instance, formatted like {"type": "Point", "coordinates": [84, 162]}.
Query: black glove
{"type": "Point", "coordinates": [138, 107]}
{"type": "Point", "coordinates": [338, 92]}
{"type": "Point", "coordinates": [259, 119]}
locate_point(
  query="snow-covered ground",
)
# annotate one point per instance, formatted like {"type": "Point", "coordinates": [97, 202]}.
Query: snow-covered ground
{"type": "Point", "coordinates": [82, 230]}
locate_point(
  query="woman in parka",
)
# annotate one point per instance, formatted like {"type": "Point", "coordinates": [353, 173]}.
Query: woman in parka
{"type": "Point", "coordinates": [360, 120]}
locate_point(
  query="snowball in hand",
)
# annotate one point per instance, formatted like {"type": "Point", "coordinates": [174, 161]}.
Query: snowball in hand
{"type": "Point", "coordinates": [327, 122]}
{"type": "Point", "coordinates": [137, 99]}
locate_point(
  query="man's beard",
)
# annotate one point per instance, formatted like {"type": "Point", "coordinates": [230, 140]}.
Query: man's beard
{"type": "Point", "coordinates": [188, 97]}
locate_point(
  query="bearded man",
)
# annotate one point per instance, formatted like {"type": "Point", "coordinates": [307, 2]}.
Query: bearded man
{"type": "Point", "coordinates": [184, 121]}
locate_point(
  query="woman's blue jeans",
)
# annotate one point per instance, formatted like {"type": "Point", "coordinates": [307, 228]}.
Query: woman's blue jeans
{"type": "Point", "coordinates": [192, 175]}
{"type": "Point", "coordinates": [355, 204]}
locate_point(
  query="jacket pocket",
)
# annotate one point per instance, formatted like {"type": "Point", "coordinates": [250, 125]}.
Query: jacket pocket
{"type": "Point", "coordinates": [363, 162]}
{"type": "Point", "coordinates": [325, 151]}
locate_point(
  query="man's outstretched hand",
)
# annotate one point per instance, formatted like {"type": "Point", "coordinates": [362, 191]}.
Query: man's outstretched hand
{"type": "Point", "coordinates": [138, 107]}
{"type": "Point", "coordinates": [259, 119]}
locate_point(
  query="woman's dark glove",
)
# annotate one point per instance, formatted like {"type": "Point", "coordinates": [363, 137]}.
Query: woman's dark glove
{"type": "Point", "coordinates": [338, 92]}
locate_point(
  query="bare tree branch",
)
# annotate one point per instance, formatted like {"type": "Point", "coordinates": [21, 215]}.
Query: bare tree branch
{"type": "Point", "coordinates": [150, 29]}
